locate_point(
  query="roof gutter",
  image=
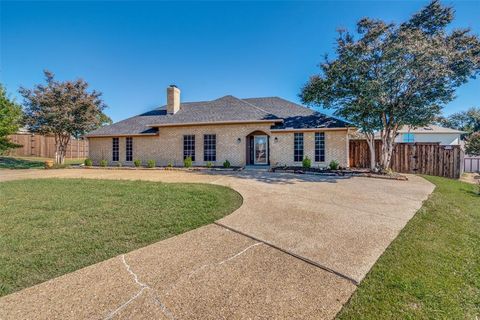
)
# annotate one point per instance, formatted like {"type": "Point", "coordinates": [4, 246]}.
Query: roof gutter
{"type": "Point", "coordinates": [120, 135]}
{"type": "Point", "coordinates": [310, 129]}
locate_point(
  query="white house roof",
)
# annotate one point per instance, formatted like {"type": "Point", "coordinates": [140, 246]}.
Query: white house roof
{"type": "Point", "coordinates": [428, 129]}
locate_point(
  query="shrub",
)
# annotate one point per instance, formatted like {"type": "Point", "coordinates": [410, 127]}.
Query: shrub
{"type": "Point", "coordinates": [306, 163]}
{"type": "Point", "coordinates": [170, 164]}
{"type": "Point", "coordinates": [49, 164]}
{"type": "Point", "coordinates": [388, 171]}
{"type": "Point", "coordinates": [333, 165]}
{"type": "Point", "coordinates": [137, 162]}
{"type": "Point", "coordinates": [88, 162]}
{"type": "Point", "coordinates": [209, 164]}
{"type": "Point", "coordinates": [227, 164]}
{"type": "Point", "coordinates": [119, 164]}
{"type": "Point", "coordinates": [103, 163]}
{"type": "Point", "coordinates": [151, 163]}
{"type": "Point", "coordinates": [187, 163]}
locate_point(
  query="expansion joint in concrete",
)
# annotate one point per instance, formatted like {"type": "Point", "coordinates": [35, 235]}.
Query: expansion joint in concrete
{"type": "Point", "coordinates": [304, 259]}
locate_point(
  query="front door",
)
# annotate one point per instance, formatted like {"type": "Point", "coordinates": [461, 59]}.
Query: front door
{"type": "Point", "coordinates": [260, 150]}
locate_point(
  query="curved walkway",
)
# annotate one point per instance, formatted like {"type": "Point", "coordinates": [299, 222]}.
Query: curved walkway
{"type": "Point", "coordinates": [295, 249]}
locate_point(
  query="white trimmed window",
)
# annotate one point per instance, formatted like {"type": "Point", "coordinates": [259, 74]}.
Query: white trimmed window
{"type": "Point", "coordinates": [209, 147]}
{"type": "Point", "coordinates": [129, 149]}
{"type": "Point", "coordinates": [189, 146]}
{"type": "Point", "coordinates": [298, 146]}
{"type": "Point", "coordinates": [115, 149]}
{"type": "Point", "coordinates": [320, 146]}
{"type": "Point", "coordinates": [408, 137]}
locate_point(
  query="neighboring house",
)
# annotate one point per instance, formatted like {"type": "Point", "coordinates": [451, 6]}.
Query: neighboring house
{"type": "Point", "coordinates": [254, 131]}
{"type": "Point", "coordinates": [429, 134]}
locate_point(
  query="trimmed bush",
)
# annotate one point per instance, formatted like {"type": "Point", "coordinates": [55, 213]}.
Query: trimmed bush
{"type": "Point", "coordinates": [209, 164]}
{"type": "Point", "coordinates": [48, 164]}
{"type": "Point", "coordinates": [103, 163]}
{"type": "Point", "coordinates": [151, 163]}
{"type": "Point", "coordinates": [137, 162]}
{"type": "Point", "coordinates": [88, 162]}
{"type": "Point", "coordinates": [227, 164]}
{"type": "Point", "coordinates": [333, 165]}
{"type": "Point", "coordinates": [170, 164]}
{"type": "Point", "coordinates": [306, 163]}
{"type": "Point", "coordinates": [187, 163]}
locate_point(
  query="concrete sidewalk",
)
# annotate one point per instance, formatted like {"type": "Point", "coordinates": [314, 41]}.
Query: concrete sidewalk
{"type": "Point", "coordinates": [340, 224]}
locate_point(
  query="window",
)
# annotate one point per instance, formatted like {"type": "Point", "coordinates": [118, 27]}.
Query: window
{"type": "Point", "coordinates": [129, 149]}
{"type": "Point", "coordinates": [209, 147]}
{"type": "Point", "coordinates": [115, 149]}
{"type": "Point", "coordinates": [319, 146]}
{"type": "Point", "coordinates": [408, 137]}
{"type": "Point", "coordinates": [189, 147]}
{"type": "Point", "coordinates": [298, 147]}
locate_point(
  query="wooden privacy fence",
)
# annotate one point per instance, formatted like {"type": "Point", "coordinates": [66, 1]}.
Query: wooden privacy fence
{"type": "Point", "coordinates": [471, 164]}
{"type": "Point", "coordinates": [422, 158]}
{"type": "Point", "coordinates": [44, 146]}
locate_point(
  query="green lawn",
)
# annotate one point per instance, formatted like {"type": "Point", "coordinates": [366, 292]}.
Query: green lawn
{"type": "Point", "coordinates": [30, 162]}
{"type": "Point", "coordinates": [49, 227]}
{"type": "Point", "coordinates": [432, 270]}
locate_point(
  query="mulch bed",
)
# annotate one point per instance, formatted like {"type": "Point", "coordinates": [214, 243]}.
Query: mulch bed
{"type": "Point", "coordinates": [296, 170]}
{"type": "Point", "coordinates": [340, 172]}
{"type": "Point", "coordinates": [161, 168]}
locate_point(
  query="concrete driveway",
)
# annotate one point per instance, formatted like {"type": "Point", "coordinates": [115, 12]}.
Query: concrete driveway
{"type": "Point", "coordinates": [296, 248]}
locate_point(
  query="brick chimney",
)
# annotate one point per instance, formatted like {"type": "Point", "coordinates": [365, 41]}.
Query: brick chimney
{"type": "Point", "coordinates": [173, 99]}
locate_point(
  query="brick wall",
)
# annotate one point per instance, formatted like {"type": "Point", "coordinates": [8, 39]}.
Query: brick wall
{"type": "Point", "coordinates": [168, 146]}
{"type": "Point", "coordinates": [336, 148]}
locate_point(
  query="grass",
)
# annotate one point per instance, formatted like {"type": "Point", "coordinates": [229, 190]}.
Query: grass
{"type": "Point", "coordinates": [432, 269]}
{"type": "Point", "coordinates": [50, 227]}
{"type": "Point", "coordinates": [30, 162]}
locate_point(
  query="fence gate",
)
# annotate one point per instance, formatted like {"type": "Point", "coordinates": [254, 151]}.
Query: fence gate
{"type": "Point", "coordinates": [422, 158]}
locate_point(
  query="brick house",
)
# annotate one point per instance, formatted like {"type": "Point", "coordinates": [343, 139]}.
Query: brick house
{"type": "Point", "coordinates": [254, 131]}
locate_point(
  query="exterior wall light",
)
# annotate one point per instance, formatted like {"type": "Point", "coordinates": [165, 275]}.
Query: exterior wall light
{"type": "Point", "coordinates": [276, 139]}
{"type": "Point", "coordinates": [239, 140]}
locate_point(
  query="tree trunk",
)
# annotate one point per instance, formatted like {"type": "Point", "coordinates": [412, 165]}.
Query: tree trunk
{"type": "Point", "coordinates": [371, 146]}
{"type": "Point", "coordinates": [61, 143]}
{"type": "Point", "coordinates": [388, 143]}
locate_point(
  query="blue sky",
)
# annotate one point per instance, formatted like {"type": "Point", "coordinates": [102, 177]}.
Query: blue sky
{"type": "Point", "coordinates": [131, 51]}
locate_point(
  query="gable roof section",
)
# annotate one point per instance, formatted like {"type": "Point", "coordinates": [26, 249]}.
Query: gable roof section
{"type": "Point", "coordinates": [223, 110]}
{"type": "Point", "coordinates": [296, 116]}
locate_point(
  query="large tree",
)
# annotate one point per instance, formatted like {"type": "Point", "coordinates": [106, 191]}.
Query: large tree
{"type": "Point", "coordinates": [62, 109]}
{"type": "Point", "coordinates": [389, 75]}
{"type": "Point", "coordinates": [11, 116]}
{"type": "Point", "coordinates": [468, 121]}
{"type": "Point", "coordinates": [472, 145]}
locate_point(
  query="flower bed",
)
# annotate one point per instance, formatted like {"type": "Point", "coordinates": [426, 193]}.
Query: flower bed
{"type": "Point", "coordinates": [162, 168]}
{"type": "Point", "coordinates": [340, 172]}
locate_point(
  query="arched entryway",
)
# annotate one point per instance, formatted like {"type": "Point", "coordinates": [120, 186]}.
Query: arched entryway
{"type": "Point", "coordinates": [258, 148]}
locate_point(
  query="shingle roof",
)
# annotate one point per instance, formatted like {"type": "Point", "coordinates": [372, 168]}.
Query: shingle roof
{"type": "Point", "coordinates": [227, 108]}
